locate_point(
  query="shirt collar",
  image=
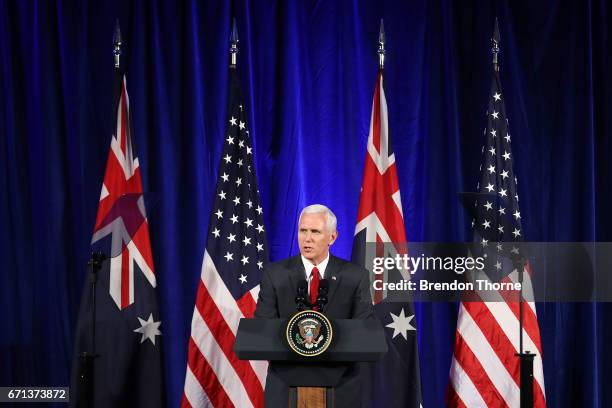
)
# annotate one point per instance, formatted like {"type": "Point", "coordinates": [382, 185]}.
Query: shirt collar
{"type": "Point", "coordinates": [308, 266]}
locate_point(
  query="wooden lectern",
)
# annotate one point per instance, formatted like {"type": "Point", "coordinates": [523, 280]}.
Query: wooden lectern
{"type": "Point", "coordinates": [311, 380]}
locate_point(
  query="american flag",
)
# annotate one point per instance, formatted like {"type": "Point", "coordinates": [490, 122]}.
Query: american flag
{"type": "Point", "coordinates": [395, 380]}
{"type": "Point", "coordinates": [234, 258]}
{"type": "Point", "coordinates": [128, 368]}
{"type": "Point", "coordinates": [484, 369]}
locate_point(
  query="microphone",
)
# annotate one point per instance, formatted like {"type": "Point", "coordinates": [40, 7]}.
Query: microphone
{"type": "Point", "coordinates": [300, 295]}
{"type": "Point", "coordinates": [322, 294]}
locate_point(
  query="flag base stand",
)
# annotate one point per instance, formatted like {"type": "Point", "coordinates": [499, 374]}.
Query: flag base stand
{"type": "Point", "coordinates": [86, 380]}
{"type": "Point", "coordinates": [87, 359]}
{"type": "Point", "coordinates": [526, 373]}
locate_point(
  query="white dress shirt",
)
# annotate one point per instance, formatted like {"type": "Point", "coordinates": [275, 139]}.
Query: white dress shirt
{"type": "Point", "coordinates": [309, 266]}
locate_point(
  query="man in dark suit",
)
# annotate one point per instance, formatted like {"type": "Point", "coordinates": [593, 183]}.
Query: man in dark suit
{"type": "Point", "coordinates": [349, 295]}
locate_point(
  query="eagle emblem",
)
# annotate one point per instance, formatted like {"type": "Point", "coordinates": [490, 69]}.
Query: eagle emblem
{"type": "Point", "coordinates": [309, 333]}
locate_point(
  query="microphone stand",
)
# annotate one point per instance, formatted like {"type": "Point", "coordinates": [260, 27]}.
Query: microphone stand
{"type": "Point", "coordinates": [322, 295]}
{"type": "Point", "coordinates": [300, 296]}
{"type": "Point", "coordinates": [526, 357]}
{"type": "Point", "coordinates": [86, 367]}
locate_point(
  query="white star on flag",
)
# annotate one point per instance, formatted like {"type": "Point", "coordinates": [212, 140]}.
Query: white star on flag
{"type": "Point", "coordinates": [401, 324]}
{"type": "Point", "coordinates": [149, 329]}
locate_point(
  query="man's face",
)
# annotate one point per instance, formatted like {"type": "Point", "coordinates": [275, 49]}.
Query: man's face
{"type": "Point", "coordinates": [314, 237]}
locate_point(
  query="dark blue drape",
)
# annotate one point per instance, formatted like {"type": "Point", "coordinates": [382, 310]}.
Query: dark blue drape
{"type": "Point", "coordinates": [308, 69]}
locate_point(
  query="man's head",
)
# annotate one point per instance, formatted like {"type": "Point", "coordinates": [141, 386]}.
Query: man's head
{"type": "Point", "coordinates": [316, 232]}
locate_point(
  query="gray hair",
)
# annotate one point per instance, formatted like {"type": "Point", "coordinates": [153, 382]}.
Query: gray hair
{"type": "Point", "coordinates": [330, 217]}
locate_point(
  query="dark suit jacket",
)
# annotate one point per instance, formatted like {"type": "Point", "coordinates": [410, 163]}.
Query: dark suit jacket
{"type": "Point", "coordinates": [349, 298]}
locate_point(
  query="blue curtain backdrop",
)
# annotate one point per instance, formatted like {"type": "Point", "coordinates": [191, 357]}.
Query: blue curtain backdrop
{"type": "Point", "coordinates": [308, 69]}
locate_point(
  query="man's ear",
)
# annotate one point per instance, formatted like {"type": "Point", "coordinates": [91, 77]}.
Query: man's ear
{"type": "Point", "coordinates": [334, 235]}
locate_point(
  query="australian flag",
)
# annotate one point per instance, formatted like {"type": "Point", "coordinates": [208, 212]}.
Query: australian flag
{"type": "Point", "coordinates": [395, 380]}
{"type": "Point", "coordinates": [119, 364]}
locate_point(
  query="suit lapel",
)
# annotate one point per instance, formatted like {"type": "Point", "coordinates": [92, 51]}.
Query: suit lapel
{"type": "Point", "coordinates": [296, 272]}
{"type": "Point", "coordinates": [332, 274]}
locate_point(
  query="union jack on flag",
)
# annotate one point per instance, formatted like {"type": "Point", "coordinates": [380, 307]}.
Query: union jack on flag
{"type": "Point", "coordinates": [121, 212]}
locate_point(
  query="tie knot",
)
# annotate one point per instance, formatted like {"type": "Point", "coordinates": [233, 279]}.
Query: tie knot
{"type": "Point", "coordinates": [315, 273]}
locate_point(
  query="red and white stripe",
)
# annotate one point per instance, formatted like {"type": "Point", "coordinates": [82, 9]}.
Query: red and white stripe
{"type": "Point", "coordinates": [485, 372]}
{"type": "Point", "coordinates": [215, 376]}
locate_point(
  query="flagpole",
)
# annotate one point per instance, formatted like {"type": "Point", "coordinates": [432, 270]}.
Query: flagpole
{"type": "Point", "coordinates": [495, 46]}
{"type": "Point", "coordinates": [381, 46]}
{"type": "Point", "coordinates": [234, 44]}
{"type": "Point", "coordinates": [526, 357]}
{"type": "Point", "coordinates": [117, 44]}
{"type": "Point", "coordinates": [495, 52]}
{"type": "Point", "coordinates": [87, 359]}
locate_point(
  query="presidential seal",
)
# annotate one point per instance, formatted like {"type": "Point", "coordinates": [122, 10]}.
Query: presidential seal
{"type": "Point", "coordinates": [309, 333]}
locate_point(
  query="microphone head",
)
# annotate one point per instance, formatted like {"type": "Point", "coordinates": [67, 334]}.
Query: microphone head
{"type": "Point", "coordinates": [323, 286]}
{"type": "Point", "coordinates": [302, 286]}
{"type": "Point", "coordinates": [322, 295]}
{"type": "Point", "coordinates": [300, 295]}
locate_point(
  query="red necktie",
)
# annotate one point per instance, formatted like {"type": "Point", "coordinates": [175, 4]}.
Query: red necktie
{"type": "Point", "coordinates": [314, 286]}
